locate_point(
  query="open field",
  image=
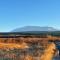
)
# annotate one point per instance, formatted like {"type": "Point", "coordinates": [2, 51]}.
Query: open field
{"type": "Point", "coordinates": [28, 47]}
{"type": "Point", "coordinates": [25, 52]}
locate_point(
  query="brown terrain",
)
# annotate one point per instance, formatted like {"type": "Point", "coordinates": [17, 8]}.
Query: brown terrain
{"type": "Point", "coordinates": [27, 48]}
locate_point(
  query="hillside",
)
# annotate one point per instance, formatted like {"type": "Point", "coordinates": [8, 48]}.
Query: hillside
{"type": "Point", "coordinates": [33, 28]}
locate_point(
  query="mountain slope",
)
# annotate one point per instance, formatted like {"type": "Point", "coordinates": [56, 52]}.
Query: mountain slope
{"type": "Point", "coordinates": [34, 28]}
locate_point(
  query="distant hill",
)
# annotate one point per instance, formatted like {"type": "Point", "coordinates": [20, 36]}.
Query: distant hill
{"type": "Point", "coordinates": [33, 28]}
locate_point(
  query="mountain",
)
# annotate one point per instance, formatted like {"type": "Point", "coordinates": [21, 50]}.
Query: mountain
{"type": "Point", "coordinates": [34, 28]}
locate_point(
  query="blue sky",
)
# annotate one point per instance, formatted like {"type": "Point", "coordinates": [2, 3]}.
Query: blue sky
{"type": "Point", "coordinates": [19, 13]}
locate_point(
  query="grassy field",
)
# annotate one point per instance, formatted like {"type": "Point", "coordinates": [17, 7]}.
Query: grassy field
{"type": "Point", "coordinates": [28, 48]}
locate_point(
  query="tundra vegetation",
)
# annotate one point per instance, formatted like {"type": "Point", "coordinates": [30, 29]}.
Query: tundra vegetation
{"type": "Point", "coordinates": [28, 47]}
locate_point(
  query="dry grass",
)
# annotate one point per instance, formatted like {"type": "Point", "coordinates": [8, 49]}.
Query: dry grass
{"type": "Point", "coordinates": [13, 45]}
{"type": "Point", "coordinates": [22, 43]}
{"type": "Point", "coordinates": [49, 52]}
